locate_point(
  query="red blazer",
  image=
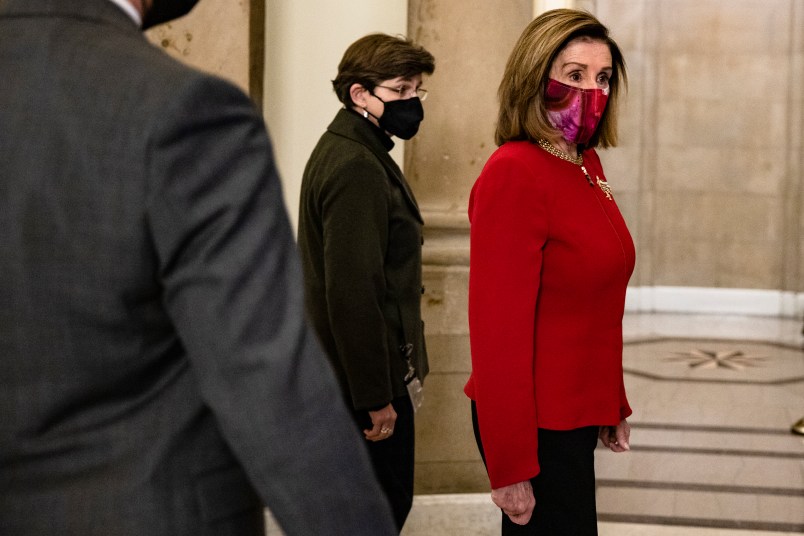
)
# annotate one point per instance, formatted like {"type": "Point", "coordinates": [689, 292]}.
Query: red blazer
{"type": "Point", "coordinates": [550, 260]}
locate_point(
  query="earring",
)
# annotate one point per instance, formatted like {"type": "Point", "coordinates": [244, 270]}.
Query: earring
{"type": "Point", "coordinates": [365, 113]}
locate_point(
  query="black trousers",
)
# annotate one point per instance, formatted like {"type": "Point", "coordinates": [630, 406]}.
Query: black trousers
{"type": "Point", "coordinates": [392, 458]}
{"type": "Point", "coordinates": [565, 486]}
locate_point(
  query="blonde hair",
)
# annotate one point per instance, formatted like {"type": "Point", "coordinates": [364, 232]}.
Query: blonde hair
{"type": "Point", "coordinates": [522, 114]}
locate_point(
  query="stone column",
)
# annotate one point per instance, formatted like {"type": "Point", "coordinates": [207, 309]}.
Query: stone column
{"type": "Point", "coordinates": [471, 43]}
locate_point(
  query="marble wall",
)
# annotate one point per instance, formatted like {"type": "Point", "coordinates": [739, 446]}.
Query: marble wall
{"type": "Point", "coordinates": [223, 37]}
{"type": "Point", "coordinates": [710, 164]}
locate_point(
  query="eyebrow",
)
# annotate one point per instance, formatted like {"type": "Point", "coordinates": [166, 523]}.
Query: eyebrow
{"type": "Point", "coordinates": [607, 68]}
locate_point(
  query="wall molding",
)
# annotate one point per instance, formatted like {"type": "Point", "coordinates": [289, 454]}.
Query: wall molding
{"type": "Point", "coordinates": [751, 302]}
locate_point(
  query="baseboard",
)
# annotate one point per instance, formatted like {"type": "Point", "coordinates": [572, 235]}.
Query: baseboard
{"type": "Point", "coordinates": [738, 301]}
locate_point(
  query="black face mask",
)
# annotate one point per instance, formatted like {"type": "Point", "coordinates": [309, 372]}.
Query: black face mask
{"type": "Point", "coordinates": [166, 10]}
{"type": "Point", "coordinates": [402, 117]}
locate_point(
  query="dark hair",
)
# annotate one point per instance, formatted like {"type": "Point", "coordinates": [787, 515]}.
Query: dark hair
{"type": "Point", "coordinates": [377, 57]}
{"type": "Point", "coordinates": [522, 114]}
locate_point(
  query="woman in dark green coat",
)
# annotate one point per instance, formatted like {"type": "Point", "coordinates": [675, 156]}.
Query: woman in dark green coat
{"type": "Point", "coordinates": [360, 236]}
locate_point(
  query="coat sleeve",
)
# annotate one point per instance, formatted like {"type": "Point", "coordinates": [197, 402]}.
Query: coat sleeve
{"type": "Point", "coordinates": [355, 213]}
{"type": "Point", "coordinates": [232, 286]}
{"type": "Point", "coordinates": [508, 229]}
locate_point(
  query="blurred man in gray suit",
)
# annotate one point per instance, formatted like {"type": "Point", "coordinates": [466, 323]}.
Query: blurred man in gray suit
{"type": "Point", "coordinates": [156, 373]}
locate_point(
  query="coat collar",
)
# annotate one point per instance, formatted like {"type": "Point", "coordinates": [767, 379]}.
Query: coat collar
{"type": "Point", "coordinates": [350, 124]}
{"type": "Point", "coordinates": [99, 11]}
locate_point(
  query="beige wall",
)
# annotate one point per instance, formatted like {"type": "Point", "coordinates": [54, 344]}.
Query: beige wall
{"type": "Point", "coordinates": [305, 40]}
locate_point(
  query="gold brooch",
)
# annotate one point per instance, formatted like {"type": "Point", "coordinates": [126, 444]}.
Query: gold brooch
{"type": "Point", "coordinates": [605, 187]}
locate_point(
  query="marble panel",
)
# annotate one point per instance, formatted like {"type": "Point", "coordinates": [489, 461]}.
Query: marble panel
{"type": "Point", "coordinates": [685, 261]}
{"type": "Point", "coordinates": [621, 165]}
{"type": "Point", "coordinates": [746, 26]}
{"type": "Point", "coordinates": [718, 217]}
{"type": "Point", "coordinates": [628, 203]}
{"type": "Point", "coordinates": [747, 171]}
{"type": "Point", "coordinates": [451, 477]}
{"type": "Point", "coordinates": [640, 214]}
{"type": "Point", "coordinates": [798, 261]}
{"type": "Point", "coordinates": [746, 218]}
{"type": "Point", "coordinates": [444, 303]}
{"type": "Point", "coordinates": [732, 77]}
{"type": "Point", "coordinates": [457, 137]}
{"type": "Point", "coordinates": [756, 264]}
{"type": "Point", "coordinates": [625, 21]}
{"type": "Point", "coordinates": [214, 37]}
{"type": "Point", "coordinates": [449, 353]}
{"type": "Point", "coordinates": [681, 216]}
{"type": "Point", "coordinates": [444, 422]}
{"type": "Point", "coordinates": [630, 127]}
{"type": "Point", "coordinates": [711, 120]}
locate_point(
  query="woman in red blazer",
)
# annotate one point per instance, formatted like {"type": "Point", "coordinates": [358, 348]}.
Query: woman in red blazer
{"type": "Point", "coordinates": [550, 260]}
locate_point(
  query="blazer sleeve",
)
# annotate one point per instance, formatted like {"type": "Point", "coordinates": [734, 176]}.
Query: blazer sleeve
{"type": "Point", "coordinates": [508, 229]}
{"type": "Point", "coordinates": [232, 287]}
{"type": "Point", "coordinates": [355, 212]}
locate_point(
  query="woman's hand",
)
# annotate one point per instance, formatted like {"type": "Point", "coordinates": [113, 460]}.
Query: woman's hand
{"type": "Point", "coordinates": [383, 421]}
{"type": "Point", "coordinates": [616, 438]}
{"type": "Point", "coordinates": [516, 501]}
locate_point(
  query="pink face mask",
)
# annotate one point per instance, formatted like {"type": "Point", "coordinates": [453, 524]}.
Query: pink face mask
{"type": "Point", "coordinates": [575, 111]}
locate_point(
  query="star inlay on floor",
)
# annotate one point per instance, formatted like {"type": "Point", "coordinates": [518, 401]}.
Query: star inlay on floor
{"type": "Point", "coordinates": [710, 359]}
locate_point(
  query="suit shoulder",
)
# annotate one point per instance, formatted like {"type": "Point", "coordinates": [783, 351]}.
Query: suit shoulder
{"type": "Point", "coordinates": [160, 78]}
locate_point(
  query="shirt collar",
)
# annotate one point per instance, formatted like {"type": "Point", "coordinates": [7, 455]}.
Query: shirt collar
{"type": "Point", "coordinates": [129, 10]}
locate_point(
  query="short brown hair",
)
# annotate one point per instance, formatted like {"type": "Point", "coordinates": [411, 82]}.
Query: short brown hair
{"type": "Point", "coordinates": [378, 57]}
{"type": "Point", "coordinates": [522, 114]}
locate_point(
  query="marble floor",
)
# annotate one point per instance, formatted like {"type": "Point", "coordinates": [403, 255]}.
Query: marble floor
{"type": "Point", "coordinates": [712, 454]}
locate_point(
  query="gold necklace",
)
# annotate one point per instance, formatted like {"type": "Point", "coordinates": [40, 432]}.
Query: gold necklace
{"type": "Point", "coordinates": [577, 160]}
{"type": "Point", "coordinates": [547, 146]}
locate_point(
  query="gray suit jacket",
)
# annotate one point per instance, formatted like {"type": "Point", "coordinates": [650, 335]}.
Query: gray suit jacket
{"type": "Point", "coordinates": [155, 368]}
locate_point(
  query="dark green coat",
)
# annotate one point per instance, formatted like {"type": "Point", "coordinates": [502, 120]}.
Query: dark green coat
{"type": "Point", "coordinates": [360, 237]}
